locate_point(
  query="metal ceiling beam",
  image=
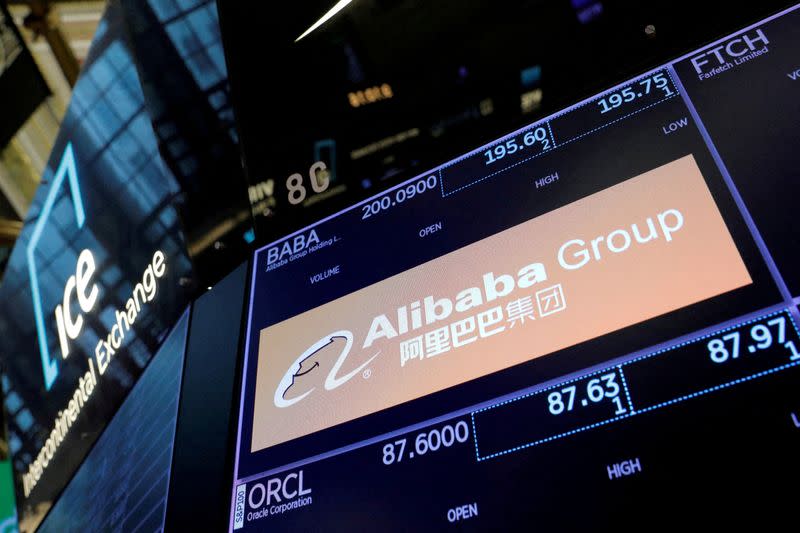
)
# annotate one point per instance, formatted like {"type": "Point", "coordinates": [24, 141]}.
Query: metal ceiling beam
{"type": "Point", "coordinates": [41, 23]}
{"type": "Point", "coordinates": [28, 2]}
{"type": "Point", "coordinates": [9, 231]}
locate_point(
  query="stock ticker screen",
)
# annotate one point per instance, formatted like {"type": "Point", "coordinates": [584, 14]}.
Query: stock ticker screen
{"type": "Point", "coordinates": [588, 322]}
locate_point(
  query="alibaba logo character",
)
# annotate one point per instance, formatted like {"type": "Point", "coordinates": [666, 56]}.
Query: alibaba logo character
{"type": "Point", "coordinates": [305, 369]}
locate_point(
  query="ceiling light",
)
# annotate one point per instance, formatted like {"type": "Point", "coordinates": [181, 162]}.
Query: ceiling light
{"type": "Point", "coordinates": [341, 4]}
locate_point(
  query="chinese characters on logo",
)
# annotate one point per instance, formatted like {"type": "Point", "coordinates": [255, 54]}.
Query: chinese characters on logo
{"type": "Point", "coordinates": [484, 324]}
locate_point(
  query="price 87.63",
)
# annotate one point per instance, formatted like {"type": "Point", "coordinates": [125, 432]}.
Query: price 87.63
{"type": "Point", "coordinates": [550, 413]}
{"type": "Point", "coordinates": [604, 388]}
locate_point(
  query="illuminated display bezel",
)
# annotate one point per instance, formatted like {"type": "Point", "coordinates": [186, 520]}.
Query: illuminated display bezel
{"type": "Point", "coordinates": [703, 333]}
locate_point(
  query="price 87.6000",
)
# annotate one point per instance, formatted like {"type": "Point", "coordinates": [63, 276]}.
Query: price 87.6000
{"type": "Point", "coordinates": [425, 442]}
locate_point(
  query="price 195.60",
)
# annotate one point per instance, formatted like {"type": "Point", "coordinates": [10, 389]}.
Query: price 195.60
{"type": "Point", "coordinates": [759, 337]}
{"type": "Point", "coordinates": [536, 138]}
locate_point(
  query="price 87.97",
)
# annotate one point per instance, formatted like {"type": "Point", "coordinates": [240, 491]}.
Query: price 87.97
{"type": "Point", "coordinates": [752, 339]}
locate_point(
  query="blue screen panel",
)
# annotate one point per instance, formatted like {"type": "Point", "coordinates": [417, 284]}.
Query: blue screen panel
{"type": "Point", "coordinates": [122, 485]}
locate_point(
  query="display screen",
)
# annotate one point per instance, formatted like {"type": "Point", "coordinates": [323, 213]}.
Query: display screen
{"type": "Point", "coordinates": [96, 280]}
{"type": "Point", "coordinates": [596, 311]}
{"type": "Point", "coordinates": [130, 463]}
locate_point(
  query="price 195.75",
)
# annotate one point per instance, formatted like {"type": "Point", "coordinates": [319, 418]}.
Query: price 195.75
{"type": "Point", "coordinates": [635, 91]}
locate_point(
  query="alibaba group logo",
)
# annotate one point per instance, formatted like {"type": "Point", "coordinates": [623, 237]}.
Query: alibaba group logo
{"type": "Point", "coordinates": [303, 375]}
